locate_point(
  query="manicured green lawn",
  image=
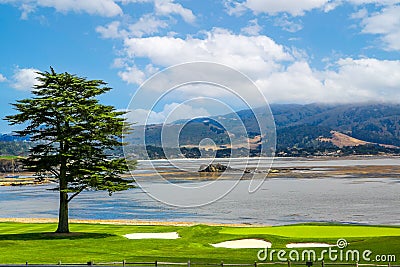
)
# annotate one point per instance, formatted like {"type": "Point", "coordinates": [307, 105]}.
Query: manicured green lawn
{"type": "Point", "coordinates": [35, 243]}
{"type": "Point", "coordinates": [9, 157]}
{"type": "Point", "coordinates": [317, 231]}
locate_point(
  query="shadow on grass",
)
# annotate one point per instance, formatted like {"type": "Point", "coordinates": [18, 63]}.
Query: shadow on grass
{"type": "Point", "coordinates": [52, 236]}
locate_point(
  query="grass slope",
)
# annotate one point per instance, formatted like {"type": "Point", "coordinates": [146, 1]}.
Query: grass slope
{"type": "Point", "coordinates": [35, 243]}
{"type": "Point", "coordinates": [317, 231]}
{"type": "Point", "coordinates": [9, 157]}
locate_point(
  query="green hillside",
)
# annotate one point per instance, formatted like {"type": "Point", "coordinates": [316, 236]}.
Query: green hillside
{"type": "Point", "coordinates": [299, 128]}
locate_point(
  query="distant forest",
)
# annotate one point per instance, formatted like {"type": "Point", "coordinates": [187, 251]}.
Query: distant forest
{"type": "Point", "coordinates": [299, 129]}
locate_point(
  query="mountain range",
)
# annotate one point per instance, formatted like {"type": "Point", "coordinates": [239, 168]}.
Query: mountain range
{"type": "Point", "coordinates": [377, 123]}
{"type": "Point", "coordinates": [312, 127]}
{"type": "Point", "coordinates": [301, 130]}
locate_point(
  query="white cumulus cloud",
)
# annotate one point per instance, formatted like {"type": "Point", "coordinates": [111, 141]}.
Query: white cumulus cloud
{"type": "Point", "coordinates": [252, 54]}
{"type": "Point", "coordinates": [234, 8]}
{"type": "Point", "coordinates": [253, 28]}
{"type": "Point", "coordinates": [112, 30]}
{"type": "Point", "coordinates": [281, 74]}
{"type": "Point", "coordinates": [365, 79]}
{"type": "Point", "coordinates": [378, 2]}
{"type": "Point", "coordinates": [297, 83]}
{"type": "Point", "coordinates": [293, 7]}
{"type": "Point", "coordinates": [385, 23]}
{"type": "Point", "coordinates": [350, 80]}
{"type": "Point", "coordinates": [167, 7]}
{"type": "Point", "coordinates": [24, 79]}
{"type": "Point", "coordinates": [106, 8]}
{"type": "Point", "coordinates": [171, 112]}
{"type": "Point", "coordinates": [2, 78]}
{"type": "Point", "coordinates": [147, 24]}
{"type": "Point", "coordinates": [288, 25]}
{"type": "Point", "coordinates": [132, 75]}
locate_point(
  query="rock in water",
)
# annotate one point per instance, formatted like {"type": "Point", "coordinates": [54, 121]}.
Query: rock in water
{"type": "Point", "coordinates": [213, 168]}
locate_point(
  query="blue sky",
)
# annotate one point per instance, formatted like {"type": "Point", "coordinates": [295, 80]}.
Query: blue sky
{"type": "Point", "coordinates": [296, 51]}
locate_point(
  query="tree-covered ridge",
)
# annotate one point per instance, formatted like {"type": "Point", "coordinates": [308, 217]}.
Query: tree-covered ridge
{"type": "Point", "coordinates": [298, 128]}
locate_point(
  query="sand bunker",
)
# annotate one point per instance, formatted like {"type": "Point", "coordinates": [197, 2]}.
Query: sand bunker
{"type": "Point", "coordinates": [243, 243]}
{"type": "Point", "coordinates": [170, 235]}
{"type": "Point", "coordinates": [309, 245]}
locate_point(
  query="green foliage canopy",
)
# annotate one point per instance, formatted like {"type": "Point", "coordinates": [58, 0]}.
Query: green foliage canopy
{"type": "Point", "coordinates": [72, 131]}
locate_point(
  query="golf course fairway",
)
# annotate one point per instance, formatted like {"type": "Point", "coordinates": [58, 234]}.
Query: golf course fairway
{"type": "Point", "coordinates": [36, 242]}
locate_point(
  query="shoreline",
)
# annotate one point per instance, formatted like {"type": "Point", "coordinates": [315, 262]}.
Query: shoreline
{"type": "Point", "coordinates": [127, 222]}
{"type": "Point", "coordinates": [312, 157]}
{"type": "Point", "coordinates": [309, 171]}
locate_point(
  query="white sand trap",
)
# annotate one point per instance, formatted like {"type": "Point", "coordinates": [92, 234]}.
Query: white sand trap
{"type": "Point", "coordinates": [309, 245]}
{"type": "Point", "coordinates": [243, 243]}
{"type": "Point", "coordinates": [169, 235]}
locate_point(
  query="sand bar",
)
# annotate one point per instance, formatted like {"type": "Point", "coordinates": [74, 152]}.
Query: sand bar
{"type": "Point", "coordinates": [123, 222]}
{"type": "Point", "coordinates": [309, 245]}
{"type": "Point", "coordinates": [243, 243]}
{"type": "Point", "coordinates": [168, 235]}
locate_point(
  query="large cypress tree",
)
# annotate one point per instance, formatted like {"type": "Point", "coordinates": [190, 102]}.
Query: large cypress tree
{"type": "Point", "coordinates": [72, 131]}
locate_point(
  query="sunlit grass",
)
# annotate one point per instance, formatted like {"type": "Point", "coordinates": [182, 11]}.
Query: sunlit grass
{"type": "Point", "coordinates": [36, 243]}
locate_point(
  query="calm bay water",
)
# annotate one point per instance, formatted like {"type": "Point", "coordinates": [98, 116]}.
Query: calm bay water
{"type": "Point", "coordinates": [278, 201]}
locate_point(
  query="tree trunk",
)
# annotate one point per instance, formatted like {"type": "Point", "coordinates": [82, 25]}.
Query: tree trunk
{"type": "Point", "coordinates": [63, 226]}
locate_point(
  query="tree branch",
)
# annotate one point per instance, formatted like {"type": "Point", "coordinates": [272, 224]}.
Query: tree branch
{"type": "Point", "coordinates": [75, 194]}
{"type": "Point", "coordinates": [53, 171]}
